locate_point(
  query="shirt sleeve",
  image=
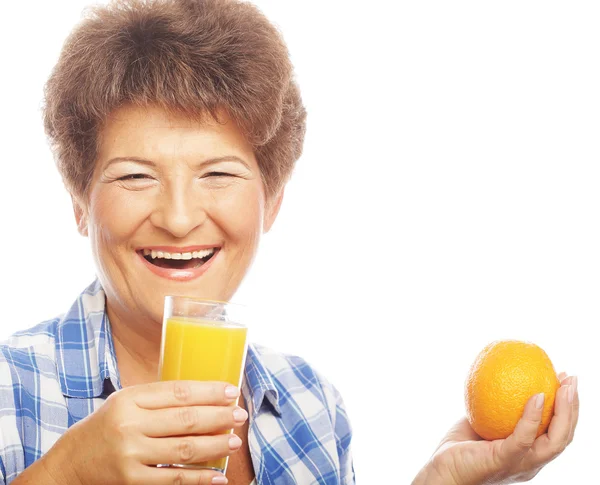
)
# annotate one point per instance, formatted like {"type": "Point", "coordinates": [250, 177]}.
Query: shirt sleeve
{"type": "Point", "coordinates": [11, 448]}
{"type": "Point", "coordinates": [343, 437]}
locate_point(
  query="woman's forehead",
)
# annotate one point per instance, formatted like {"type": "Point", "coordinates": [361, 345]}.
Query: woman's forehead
{"type": "Point", "coordinates": [155, 132]}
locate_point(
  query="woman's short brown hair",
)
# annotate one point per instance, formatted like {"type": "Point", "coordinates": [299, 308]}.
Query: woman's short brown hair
{"type": "Point", "coordinates": [187, 56]}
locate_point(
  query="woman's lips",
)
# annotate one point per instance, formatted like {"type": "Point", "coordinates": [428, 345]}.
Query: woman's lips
{"type": "Point", "coordinates": [179, 274]}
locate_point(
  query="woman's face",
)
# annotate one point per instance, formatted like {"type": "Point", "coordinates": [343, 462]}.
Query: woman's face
{"type": "Point", "coordinates": [176, 207]}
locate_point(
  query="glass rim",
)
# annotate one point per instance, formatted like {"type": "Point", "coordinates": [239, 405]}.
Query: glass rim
{"type": "Point", "coordinates": [194, 299]}
{"type": "Point", "coordinates": [229, 312]}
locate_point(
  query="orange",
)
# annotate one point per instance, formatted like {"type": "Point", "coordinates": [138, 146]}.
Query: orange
{"type": "Point", "coordinates": [504, 376]}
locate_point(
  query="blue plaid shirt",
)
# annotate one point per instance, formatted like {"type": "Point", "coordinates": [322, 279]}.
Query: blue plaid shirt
{"type": "Point", "coordinates": [60, 371]}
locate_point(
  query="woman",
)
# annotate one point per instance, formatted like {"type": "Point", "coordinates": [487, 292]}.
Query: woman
{"type": "Point", "coordinates": [176, 125]}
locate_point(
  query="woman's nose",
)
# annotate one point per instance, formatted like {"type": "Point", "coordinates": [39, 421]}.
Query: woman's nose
{"type": "Point", "coordinates": [179, 211]}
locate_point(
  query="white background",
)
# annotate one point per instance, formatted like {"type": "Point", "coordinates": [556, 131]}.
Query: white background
{"type": "Point", "coordinates": [448, 196]}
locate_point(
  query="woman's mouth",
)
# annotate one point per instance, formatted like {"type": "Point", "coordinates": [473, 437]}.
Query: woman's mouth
{"type": "Point", "coordinates": [174, 260]}
{"type": "Point", "coordinates": [184, 265]}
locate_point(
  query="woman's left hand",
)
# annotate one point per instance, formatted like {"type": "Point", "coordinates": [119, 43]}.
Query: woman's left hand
{"type": "Point", "coordinates": [463, 458]}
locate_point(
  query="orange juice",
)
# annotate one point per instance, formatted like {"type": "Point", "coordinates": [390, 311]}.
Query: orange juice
{"type": "Point", "coordinates": [201, 350]}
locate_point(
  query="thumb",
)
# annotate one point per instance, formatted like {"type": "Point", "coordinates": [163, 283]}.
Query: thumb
{"type": "Point", "coordinates": [521, 440]}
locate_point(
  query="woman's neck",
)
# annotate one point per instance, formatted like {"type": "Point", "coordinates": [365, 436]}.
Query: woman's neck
{"type": "Point", "coordinates": [137, 347]}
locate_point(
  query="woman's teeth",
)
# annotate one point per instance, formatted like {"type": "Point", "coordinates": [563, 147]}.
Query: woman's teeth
{"type": "Point", "coordinates": [179, 260]}
{"type": "Point", "coordinates": [191, 255]}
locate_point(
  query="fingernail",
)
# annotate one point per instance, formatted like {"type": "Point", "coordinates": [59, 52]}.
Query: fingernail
{"type": "Point", "coordinates": [234, 442]}
{"type": "Point", "coordinates": [240, 415]}
{"type": "Point", "coordinates": [219, 480]}
{"type": "Point", "coordinates": [572, 390]}
{"type": "Point", "coordinates": [539, 401]}
{"type": "Point", "coordinates": [232, 391]}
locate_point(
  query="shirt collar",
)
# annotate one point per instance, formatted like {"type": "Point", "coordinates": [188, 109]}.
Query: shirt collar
{"type": "Point", "coordinates": [85, 355]}
{"type": "Point", "coordinates": [260, 385]}
{"type": "Point", "coordinates": [86, 358]}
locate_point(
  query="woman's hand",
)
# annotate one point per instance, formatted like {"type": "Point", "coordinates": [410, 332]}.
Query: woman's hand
{"type": "Point", "coordinates": [142, 426]}
{"type": "Point", "coordinates": [463, 458]}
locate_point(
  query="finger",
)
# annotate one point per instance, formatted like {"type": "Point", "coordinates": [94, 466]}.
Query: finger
{"type": "Point", "coordinates": [573, 382]}
{"type": "Point", "coordinates": [162, 475]}
{"type": "Point", "coordinates": [550, 445]}
{"type": "Point", "coordinates": [188, 450]}
{"type": "Point", "coordinates": [520, 441]}
{"type": "Point", "coordinates": [560, 425]}
{"type": "Point", "coordinates": [157, 395]}
{"type": "Point", "coordinates": [191, 420]}
{"type": "Point", "coordinates": [561, 376]}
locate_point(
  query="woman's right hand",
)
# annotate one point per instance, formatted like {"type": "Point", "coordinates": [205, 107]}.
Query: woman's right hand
{"type": "Point", "coordinates": [142, 426]}
{"type": "Point", "coordinates": [463, 458]}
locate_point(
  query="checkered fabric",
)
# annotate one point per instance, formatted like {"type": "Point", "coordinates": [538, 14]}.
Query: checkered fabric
{"type": "Point", "coordinates": [57, 373]}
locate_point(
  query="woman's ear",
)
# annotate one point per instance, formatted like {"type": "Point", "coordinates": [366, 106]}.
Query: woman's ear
{"type": "Point", "coordinates": [81, 216]}
{"type": "Point", "coordinates": [272, 209]}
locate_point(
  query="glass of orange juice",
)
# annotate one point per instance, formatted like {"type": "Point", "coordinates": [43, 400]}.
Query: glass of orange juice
{"type": "Point", "coordinates": [203, 340]}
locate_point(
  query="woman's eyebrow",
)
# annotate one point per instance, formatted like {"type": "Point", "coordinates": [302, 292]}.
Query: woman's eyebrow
{"type": "Point", "coordinates": [142, 161]}
{"type": "Point", "coordinates": [209, 161]}
{"type": "Point", "coordinates": [226, 158]}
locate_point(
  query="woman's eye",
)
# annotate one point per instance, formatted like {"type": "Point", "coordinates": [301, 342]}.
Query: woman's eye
{"type": "Point", "coordinates": [218, 174]}
{"type": "Point", "coordinates": [134, 176]}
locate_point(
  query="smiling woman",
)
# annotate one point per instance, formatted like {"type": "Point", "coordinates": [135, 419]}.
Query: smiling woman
{"type": "Point", "coordinates": [196, 208]}
{"type": "Point", "coordinates": [175, 125]}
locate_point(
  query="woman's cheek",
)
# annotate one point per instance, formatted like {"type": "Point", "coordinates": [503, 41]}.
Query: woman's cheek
{"type": "Point", "coordinates": [243, 214]}
{"type": "Point", "coordinates": [118, 212]}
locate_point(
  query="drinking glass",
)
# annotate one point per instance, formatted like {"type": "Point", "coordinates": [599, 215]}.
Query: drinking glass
{"type": "Point", "coordinates": [203, 340]}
